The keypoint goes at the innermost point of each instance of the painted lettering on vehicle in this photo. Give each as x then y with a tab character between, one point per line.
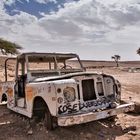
75	107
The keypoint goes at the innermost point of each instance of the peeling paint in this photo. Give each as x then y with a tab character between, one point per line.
10	92
29	93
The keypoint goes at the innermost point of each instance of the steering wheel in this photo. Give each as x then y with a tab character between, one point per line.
66	67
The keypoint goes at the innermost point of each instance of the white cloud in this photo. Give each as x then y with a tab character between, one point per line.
91	18
10	2
46	1
27	1
94	29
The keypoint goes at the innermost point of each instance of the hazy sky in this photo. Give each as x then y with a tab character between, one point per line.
94	29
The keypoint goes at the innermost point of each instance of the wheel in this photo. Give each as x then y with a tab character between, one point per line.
41	112
48	120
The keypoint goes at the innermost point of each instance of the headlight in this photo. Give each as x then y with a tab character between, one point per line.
69	94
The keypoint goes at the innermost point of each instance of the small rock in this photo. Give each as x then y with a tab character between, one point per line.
24	119
129	128
118	123
101	135
132	133
98	110
125	130
126	125
124	115
111	125
133	128
30	132
41	128
104	132
88	135
28	126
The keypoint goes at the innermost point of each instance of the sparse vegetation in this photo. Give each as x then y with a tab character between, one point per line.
7	47
138	51
116	59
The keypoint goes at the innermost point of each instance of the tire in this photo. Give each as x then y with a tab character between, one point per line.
48	120
41	112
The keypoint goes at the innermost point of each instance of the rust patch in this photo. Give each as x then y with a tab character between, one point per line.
10	92
29	93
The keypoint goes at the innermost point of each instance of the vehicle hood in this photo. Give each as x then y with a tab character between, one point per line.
66	76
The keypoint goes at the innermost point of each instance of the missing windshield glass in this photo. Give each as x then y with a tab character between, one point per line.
100	89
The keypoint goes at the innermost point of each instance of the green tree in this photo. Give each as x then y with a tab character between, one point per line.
116	59
7	47
138	51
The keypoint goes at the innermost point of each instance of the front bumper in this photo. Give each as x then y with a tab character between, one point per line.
92	116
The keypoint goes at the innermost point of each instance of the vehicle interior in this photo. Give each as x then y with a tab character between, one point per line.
53	65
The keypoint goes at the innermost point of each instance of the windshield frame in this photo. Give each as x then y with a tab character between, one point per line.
57	57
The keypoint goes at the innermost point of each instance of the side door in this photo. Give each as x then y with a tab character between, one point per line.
21	78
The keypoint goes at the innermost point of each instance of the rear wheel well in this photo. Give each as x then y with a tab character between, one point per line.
4	98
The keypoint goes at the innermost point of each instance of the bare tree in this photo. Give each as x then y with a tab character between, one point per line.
7	47
116	59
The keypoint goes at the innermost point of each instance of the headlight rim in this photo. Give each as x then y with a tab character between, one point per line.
68	93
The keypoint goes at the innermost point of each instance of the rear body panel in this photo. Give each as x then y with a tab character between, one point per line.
7	89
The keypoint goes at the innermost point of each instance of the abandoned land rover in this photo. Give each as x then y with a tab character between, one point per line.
57	88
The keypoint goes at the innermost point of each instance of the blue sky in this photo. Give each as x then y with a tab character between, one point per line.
94	29
35	8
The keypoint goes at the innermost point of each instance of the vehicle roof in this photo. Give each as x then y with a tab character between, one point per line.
29	53
59	55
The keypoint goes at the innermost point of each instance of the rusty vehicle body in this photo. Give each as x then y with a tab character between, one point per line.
57	87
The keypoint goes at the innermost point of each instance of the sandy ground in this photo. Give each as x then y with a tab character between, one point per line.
126	126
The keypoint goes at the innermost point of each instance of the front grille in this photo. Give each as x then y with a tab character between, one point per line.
88	89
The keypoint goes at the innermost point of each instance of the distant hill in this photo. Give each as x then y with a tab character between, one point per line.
93	63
